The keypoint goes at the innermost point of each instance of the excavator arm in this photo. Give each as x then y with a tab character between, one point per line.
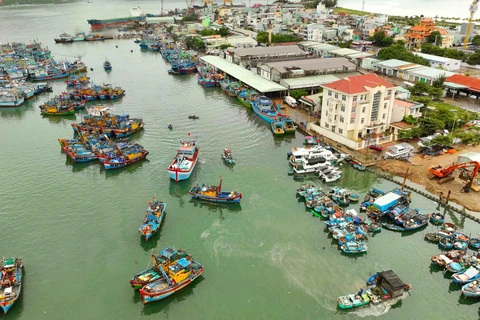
444	172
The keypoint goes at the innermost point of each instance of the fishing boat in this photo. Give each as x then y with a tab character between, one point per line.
246	96
471	290
11	277
264	108
64	38
124	158
474	243
353	198
206	80
417	222
392	226
460	245
289	126
215	194
450	227
311	141
437	218
353	247
94	37
163	260
11	98
277	126
331	177
470	275
62	110
176	277
381	287
230	87
80	36
170	126
79	154
193	116
153	219
187	156
227	156
446	258
445	243
433	237
107	65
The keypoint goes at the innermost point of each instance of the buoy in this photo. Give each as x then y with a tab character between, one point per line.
91	69
116	46
131	51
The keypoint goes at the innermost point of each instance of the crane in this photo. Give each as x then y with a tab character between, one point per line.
473	9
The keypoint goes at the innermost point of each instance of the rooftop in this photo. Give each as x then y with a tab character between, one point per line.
259	51
402	125
311	64
431	57
246	76
470	82
392	63
314	81
392	279
429	72
405	104
358	84
343	51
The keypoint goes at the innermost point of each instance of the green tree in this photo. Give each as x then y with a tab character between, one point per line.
399	52
387	41
190	17
378	36
330	3
169	29
468	137
476	40
435	37
438	82
410	119
444	141
419	88
262	37
401	43
455	54
430	125
297	94
474	59
347	44
223	32
208	32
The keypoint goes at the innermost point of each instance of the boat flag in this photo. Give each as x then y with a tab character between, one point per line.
189	134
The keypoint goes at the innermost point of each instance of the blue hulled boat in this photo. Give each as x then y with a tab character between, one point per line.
264	108
11	277
107	65
467	276
471	289
215	194
153	218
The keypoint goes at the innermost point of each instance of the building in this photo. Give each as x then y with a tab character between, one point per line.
468	157
216	41
404	108
279	70
458	84
394	67
248	56
419	34
447	39
425	74
441	62
356	110
313	32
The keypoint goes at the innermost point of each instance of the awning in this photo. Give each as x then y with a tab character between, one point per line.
454	85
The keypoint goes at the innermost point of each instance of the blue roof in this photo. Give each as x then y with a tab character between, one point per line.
183	262
168	252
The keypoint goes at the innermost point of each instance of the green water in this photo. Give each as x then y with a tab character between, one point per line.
75	226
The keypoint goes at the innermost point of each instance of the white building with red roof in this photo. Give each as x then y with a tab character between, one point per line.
357	108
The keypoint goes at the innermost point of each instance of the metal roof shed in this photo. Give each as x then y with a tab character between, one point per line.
246	76
343	52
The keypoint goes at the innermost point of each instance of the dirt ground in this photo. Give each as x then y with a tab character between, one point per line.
418	173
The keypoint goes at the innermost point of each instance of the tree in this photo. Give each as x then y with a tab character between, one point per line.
410	119
474	59
297	94
476	40
443	140
330	3
401	43
387	41
399	52
430	125
435	37
208	32
378	36
169	29
419	88
223	32
438	82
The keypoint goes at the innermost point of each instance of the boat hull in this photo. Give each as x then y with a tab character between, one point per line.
117	165
12	104
236	199
262	115
178	175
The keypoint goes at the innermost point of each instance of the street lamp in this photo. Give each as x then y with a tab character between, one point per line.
453	127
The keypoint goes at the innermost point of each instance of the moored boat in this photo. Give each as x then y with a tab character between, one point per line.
437	218
215	194
125	157
470	275
227	156
11	98
182	166
178	276
153	219
11	277
107	65
471	289
277	126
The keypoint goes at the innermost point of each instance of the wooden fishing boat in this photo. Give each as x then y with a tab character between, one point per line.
124	160
434	237
445	244
227	156
153	219
446	258
449	227
245	96
460	245
277	127
289	126
353	198
416	222
178	276
474	243
467	276
79	154
353	247
57	111
11	277
161	261
215	194
437	218
393	227
472	289
107	65
311	141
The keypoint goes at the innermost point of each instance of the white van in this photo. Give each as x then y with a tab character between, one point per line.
291	101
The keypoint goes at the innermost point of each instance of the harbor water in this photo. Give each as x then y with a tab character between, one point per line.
75	225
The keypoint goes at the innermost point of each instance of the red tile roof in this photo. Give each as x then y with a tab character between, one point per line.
470	82
358	84
403	103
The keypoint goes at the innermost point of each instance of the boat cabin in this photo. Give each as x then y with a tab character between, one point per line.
179	271
391	283
401	150
387	201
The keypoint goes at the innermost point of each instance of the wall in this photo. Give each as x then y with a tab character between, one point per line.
329	134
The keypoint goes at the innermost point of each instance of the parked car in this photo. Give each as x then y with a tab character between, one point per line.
291	101
376	147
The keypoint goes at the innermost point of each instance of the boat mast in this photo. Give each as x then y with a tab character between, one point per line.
219	189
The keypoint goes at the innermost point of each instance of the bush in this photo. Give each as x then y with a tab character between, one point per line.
410	119
468	137
262	37
444	141
297	94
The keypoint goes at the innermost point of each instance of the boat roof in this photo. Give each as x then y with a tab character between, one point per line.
394	281
168	252
183	262
471	272
386	199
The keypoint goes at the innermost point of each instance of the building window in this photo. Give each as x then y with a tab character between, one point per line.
354	109
344	97
336	95
375	106
362	121
326	114
352	121
384	116
342	119
354	98
389	93
364	109
340	131
385	105
326	125
342	108
329	93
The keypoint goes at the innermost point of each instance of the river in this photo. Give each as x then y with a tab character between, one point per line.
75	226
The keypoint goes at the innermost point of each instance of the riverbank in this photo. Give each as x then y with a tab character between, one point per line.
419	174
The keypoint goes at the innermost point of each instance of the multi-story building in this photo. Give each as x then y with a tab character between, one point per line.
418	35
356	108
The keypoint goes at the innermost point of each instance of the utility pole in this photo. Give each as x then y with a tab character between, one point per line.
161	9
363	5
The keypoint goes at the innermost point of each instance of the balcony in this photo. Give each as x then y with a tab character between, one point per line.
374	125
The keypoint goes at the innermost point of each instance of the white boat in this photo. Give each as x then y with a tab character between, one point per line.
401	150
334	176
323	172
316	152
11	98
310	165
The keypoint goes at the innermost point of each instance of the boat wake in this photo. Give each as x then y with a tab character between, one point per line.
378	310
